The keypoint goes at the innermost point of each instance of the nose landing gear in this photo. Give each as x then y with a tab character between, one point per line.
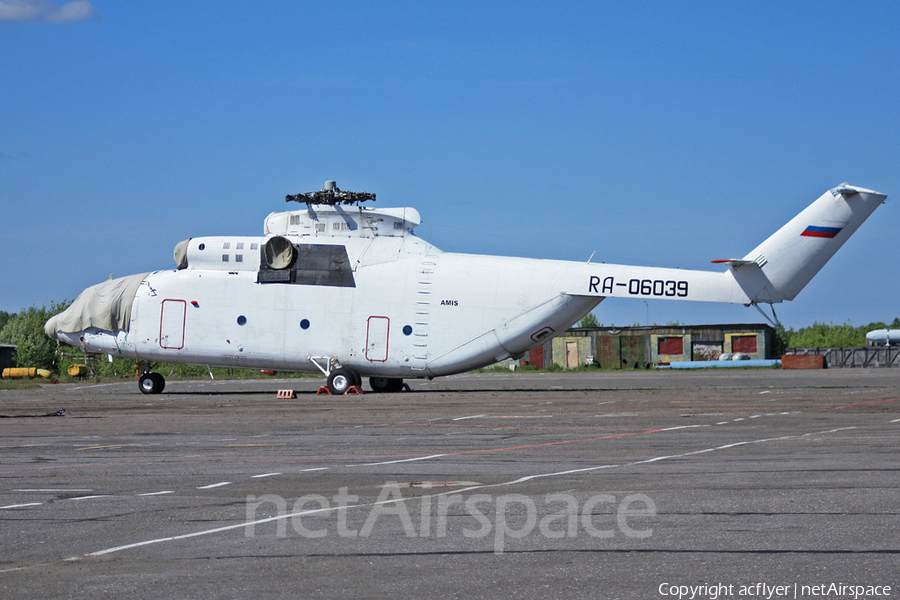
341	380
151	383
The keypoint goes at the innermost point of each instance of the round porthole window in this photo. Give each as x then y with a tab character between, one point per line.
407	330
242	320
304	324
202	246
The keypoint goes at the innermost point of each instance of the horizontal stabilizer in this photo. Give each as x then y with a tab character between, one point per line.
733	262
845	189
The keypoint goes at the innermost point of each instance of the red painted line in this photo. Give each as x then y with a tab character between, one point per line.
606	437
872	402
472	425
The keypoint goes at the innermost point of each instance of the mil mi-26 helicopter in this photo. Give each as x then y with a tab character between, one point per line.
351	291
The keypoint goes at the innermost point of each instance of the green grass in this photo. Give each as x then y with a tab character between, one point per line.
22	384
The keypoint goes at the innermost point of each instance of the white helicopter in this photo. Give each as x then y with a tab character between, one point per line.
351	291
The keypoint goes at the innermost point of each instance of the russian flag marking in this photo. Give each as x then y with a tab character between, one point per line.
822	232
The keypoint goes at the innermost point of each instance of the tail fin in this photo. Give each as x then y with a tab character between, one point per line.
782	265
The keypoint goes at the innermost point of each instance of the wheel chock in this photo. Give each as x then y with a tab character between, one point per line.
323	391
288	394
353	390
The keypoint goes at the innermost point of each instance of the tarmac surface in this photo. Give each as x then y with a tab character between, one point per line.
643	484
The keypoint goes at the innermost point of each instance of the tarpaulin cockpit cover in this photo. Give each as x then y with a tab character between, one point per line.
106	306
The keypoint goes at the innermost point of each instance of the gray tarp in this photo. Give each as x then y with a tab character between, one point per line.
106	306
181	261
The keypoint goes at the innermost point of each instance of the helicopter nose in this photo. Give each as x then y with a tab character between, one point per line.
50	327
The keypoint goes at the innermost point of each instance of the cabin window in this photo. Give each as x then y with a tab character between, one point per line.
226	245
242	320
304	324
238	258
320	227
398	225
202	246
295	219
254	246
407	330
224	258
239	246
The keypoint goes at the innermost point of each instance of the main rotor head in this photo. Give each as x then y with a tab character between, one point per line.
331	195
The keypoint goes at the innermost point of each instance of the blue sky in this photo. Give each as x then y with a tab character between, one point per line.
657	133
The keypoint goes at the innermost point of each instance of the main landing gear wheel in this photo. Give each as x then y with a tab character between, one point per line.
151	383
386	385
340	380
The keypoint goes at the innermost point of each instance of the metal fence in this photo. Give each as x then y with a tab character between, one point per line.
884	356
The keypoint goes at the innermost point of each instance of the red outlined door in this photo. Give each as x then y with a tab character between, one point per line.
171	324
377	339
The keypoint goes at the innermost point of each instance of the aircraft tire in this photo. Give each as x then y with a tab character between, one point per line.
151	383
340	380
386	385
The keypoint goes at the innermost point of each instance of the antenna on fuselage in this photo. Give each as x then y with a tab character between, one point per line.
331	195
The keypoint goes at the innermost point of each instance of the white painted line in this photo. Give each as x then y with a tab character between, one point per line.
766	392
682	427
736	420
13	569
156	493
755	416
722	423
90	387
894	421
830	431
253	523
214	485
699	452
518	416
21	505
471	417
393	462
656	459
54	490
557	474
315	469
734	445
90	497
264	475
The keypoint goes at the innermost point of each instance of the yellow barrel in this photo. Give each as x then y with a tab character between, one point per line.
78	370
30	372
19	372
